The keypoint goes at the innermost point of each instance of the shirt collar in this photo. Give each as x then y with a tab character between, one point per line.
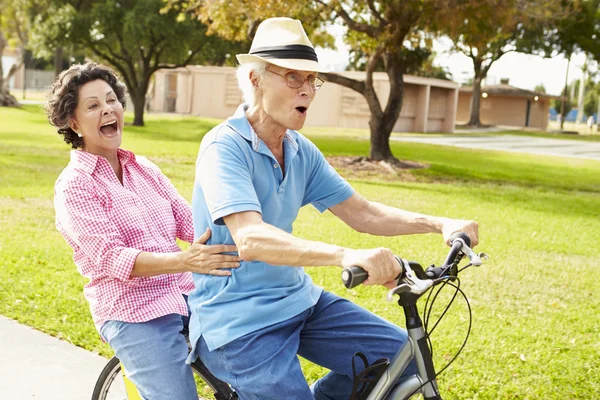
239	122
88	161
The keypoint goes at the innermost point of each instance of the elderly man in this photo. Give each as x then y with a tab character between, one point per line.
254	172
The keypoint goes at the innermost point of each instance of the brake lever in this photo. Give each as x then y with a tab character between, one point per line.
474	258
411	283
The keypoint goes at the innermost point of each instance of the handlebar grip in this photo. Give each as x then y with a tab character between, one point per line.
451	258
460	235
353	276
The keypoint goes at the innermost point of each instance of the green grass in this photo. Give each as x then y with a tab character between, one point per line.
535	304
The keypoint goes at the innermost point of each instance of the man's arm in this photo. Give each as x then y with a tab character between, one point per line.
258	241
378	219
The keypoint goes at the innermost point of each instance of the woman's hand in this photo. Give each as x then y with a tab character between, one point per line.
207	259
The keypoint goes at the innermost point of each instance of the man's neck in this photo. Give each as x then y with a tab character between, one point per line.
267	129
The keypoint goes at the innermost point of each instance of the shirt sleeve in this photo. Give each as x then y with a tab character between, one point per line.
182	212
225	177
82	219
325	187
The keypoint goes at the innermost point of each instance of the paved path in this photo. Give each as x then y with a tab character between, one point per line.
513	143
34	365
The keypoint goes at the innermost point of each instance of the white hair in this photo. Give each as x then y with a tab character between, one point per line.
244	82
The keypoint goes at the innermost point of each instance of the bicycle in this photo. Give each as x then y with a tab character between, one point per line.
113	384
378	381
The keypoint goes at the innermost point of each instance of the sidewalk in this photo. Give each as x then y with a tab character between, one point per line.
514	143
34	365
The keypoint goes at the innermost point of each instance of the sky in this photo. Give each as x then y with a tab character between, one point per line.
523	70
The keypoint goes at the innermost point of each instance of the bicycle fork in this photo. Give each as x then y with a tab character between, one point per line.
415	347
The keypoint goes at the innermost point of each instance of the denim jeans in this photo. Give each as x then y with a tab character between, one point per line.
153	354
264	364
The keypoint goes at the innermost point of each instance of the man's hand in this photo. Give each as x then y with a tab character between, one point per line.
380	264
471	228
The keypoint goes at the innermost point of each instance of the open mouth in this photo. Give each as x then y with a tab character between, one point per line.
109	128
302	110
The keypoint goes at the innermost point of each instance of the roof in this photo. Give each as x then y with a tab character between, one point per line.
508	90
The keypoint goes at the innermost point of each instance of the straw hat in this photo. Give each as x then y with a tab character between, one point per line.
282	42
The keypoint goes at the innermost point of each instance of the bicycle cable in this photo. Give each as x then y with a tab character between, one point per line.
426	314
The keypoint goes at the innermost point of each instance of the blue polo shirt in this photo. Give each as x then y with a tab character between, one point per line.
237	172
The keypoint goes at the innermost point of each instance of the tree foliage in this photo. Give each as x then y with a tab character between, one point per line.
539	88
136	37
385	34
578	31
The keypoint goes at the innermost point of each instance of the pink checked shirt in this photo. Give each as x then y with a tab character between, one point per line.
108	224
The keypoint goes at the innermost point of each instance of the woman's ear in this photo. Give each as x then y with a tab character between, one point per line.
73	125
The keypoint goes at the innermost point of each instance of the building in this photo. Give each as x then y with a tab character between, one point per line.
507	105
429	104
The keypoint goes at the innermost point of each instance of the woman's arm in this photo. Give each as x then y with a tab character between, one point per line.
82	219
198	258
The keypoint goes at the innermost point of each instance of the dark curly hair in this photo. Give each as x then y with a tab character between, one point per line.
64	94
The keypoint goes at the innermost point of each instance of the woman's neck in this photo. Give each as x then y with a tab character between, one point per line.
113	159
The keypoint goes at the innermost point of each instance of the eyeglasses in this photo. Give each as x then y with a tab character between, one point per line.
295	81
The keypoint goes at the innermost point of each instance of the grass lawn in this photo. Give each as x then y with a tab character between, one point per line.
535	304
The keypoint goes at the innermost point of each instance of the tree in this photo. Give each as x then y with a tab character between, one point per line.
15	18
6	99
539	88
388	33
591	100
487	29
577	31
423	65
136	37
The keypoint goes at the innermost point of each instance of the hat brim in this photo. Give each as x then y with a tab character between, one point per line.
289	63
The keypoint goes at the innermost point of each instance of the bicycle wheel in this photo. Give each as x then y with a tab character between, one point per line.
111	386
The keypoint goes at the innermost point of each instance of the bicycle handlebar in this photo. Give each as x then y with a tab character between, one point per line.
354	276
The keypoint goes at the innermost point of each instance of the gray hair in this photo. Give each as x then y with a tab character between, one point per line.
244	82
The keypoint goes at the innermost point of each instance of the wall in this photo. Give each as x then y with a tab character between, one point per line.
505	110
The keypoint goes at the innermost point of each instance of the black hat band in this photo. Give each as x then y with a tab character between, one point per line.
292	51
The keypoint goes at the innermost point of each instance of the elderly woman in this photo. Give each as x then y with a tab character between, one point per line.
249	327
122	217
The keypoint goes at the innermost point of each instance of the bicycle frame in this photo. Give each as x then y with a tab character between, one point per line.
131	390
415	348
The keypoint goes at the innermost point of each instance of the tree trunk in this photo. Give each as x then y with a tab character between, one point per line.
474	119
139	103
58	60
381	123
380	141
6	99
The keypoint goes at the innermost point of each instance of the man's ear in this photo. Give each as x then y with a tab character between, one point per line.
255	79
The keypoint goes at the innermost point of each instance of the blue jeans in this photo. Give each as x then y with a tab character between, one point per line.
153	354
264	364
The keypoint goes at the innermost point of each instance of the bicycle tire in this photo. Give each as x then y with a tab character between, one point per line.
220	390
